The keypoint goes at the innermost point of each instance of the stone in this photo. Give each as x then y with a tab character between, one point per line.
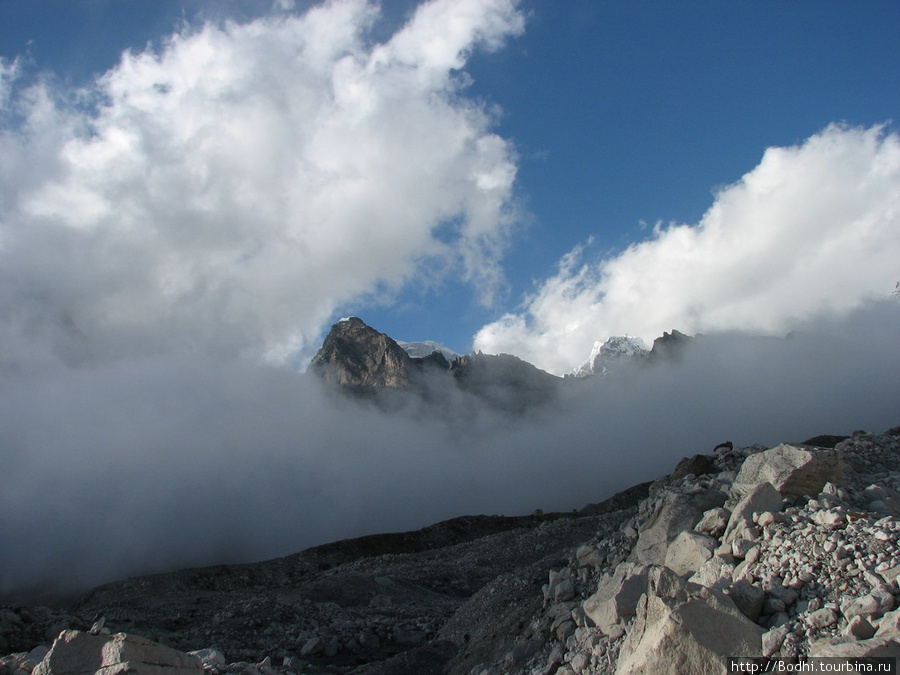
675	513
560	587
889	624
580	662
616	598
210	657
792	470
759	497
748	598
412	637
821	618
740	547
773	639
589	556
765	519
859	628
715	573
714	521
698	465
688	551
685	628
872	605
851	648
524	650
76	652
829	518
312	646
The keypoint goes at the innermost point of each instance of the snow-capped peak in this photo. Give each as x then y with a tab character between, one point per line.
426	348
614	350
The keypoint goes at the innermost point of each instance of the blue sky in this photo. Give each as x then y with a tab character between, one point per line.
616	117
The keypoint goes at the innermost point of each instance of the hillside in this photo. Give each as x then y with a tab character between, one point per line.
789	551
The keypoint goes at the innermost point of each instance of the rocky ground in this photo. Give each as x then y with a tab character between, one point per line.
789	551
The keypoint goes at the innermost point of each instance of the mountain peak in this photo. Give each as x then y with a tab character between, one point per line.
356	355
616	350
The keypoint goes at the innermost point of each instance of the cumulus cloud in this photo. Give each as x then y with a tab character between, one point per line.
228	190
813	230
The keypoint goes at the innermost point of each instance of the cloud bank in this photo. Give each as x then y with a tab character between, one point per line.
229	190
813	230
162	463
218	197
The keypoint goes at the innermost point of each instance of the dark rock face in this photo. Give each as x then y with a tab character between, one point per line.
698	465
505	381
358	356
670	345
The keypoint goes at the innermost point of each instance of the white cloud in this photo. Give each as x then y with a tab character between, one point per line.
813	230
227	192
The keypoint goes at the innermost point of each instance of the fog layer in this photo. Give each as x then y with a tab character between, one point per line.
153	464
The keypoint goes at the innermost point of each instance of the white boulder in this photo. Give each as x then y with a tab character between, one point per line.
687	629
794	471
78	653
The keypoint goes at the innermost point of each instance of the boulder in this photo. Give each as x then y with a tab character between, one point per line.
75	653
773	639
890	624
748	598
849	648
874	604
860	628
676	512
714	521
759	498
698	465
792	470
717	572
688	551
687	629
616	599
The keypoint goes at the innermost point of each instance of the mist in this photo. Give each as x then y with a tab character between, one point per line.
152	464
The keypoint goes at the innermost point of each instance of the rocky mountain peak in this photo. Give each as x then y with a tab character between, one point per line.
356	355
670	345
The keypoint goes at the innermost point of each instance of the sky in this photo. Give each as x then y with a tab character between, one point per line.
191	193
524	183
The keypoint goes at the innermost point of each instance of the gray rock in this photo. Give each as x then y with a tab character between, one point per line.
616	599
851	648
688	627
714	521
75	652
874	605
748	598
676	512
312	646
859	628
821	618
524	650
792	470
889	624
688	551
773	639
210	657
759	497
715	573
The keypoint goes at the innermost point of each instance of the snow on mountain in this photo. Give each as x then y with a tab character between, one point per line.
426	348
605	354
